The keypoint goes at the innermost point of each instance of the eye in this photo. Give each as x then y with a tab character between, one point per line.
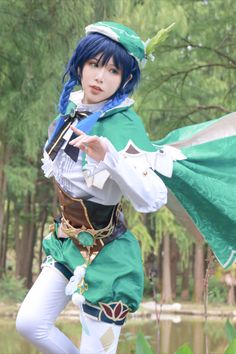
93	63
114	71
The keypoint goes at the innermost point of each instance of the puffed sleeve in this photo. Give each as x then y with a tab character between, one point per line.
135	178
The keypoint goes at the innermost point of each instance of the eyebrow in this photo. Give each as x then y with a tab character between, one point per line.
100	59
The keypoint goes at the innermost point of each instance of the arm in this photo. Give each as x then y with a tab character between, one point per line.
138	182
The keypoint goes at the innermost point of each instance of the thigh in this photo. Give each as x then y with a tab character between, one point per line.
46	299
102	337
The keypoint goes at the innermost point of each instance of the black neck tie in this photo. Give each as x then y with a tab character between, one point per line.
58	140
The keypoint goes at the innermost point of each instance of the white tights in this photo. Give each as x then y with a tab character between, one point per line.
39	311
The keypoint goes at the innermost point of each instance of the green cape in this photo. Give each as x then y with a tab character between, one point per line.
203	187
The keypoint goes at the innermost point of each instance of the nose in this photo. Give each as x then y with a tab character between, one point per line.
100	75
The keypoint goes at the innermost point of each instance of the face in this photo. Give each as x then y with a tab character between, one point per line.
99	82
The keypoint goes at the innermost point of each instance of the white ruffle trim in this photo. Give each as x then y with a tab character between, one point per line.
47	165
95	173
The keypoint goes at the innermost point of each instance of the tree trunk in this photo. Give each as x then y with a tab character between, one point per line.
230	282
159	269
166	275
25	244
4	157
198	273
185	285
174	264
4	240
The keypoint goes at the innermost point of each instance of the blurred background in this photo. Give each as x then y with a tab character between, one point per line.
193	79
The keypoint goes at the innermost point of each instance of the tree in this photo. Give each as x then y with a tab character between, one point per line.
37	38
198	273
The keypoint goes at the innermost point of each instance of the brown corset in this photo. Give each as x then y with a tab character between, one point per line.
103	221
80	212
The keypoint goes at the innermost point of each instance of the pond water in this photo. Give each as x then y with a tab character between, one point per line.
174	331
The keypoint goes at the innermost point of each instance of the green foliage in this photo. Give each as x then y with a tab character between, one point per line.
142	345
230	331
36	42
148	287
231	348
137	225
12	289
184	349
141	233
191	80
217	291
193	76
166	224
21	179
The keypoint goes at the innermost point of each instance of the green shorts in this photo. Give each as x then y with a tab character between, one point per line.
116	273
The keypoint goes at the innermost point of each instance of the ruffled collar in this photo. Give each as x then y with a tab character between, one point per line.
77	97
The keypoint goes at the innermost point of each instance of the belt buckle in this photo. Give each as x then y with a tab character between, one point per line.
86	237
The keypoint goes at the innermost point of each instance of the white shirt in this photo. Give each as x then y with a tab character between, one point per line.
105	182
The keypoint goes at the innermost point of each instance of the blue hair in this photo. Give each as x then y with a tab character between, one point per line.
90	46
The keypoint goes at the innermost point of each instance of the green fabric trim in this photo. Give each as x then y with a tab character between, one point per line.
115	110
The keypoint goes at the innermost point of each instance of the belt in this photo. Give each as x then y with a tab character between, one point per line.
118	230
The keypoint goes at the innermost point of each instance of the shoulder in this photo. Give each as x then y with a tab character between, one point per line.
122	117
124	126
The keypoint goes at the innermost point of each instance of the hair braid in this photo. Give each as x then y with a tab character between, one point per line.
64	98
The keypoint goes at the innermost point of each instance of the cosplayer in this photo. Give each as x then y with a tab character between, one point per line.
98	151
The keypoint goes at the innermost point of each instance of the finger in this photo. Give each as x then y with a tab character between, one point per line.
78	139
77	131
82	147
93	140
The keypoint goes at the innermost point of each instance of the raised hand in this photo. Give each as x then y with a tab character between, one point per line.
93	146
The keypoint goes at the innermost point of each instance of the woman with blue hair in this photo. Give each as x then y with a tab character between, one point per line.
95	153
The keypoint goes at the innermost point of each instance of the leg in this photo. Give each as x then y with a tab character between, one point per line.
42	305
103	338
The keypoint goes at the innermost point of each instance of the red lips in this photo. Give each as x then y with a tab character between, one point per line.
96	88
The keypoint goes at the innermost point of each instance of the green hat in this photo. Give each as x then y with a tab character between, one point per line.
129	39
121	34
